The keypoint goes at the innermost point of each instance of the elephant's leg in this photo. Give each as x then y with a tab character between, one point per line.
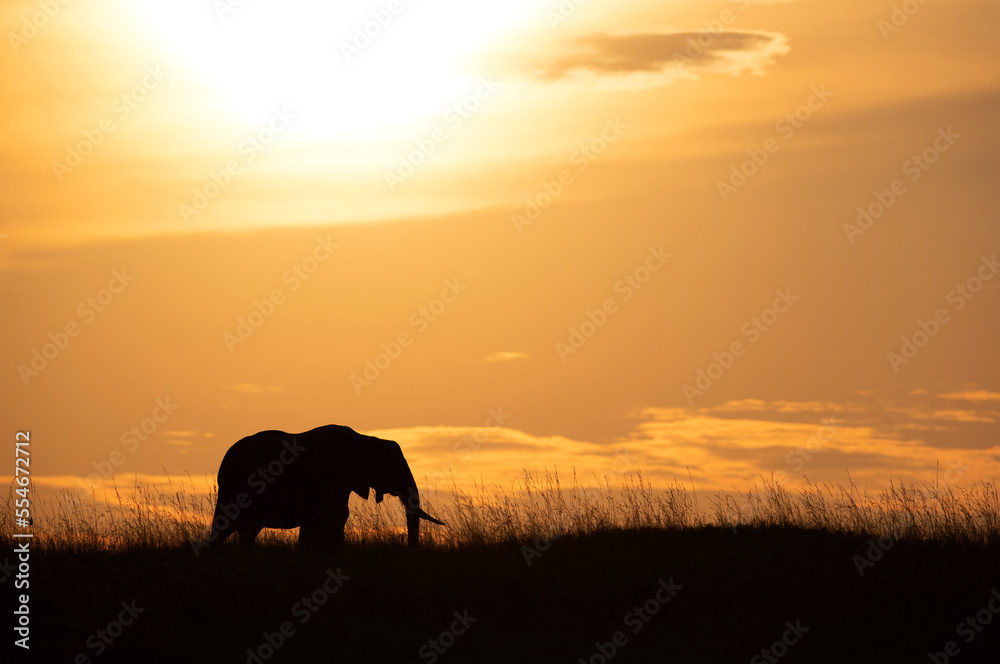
222	527
324	529
248	533
313	534
307	535
338	524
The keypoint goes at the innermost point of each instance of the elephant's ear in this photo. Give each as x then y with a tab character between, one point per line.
363	492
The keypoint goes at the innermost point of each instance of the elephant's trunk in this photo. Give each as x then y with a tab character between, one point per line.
411	503
410	498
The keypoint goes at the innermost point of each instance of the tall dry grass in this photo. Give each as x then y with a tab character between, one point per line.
538	505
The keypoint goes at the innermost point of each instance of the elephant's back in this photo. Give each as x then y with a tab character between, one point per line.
296	453
253	448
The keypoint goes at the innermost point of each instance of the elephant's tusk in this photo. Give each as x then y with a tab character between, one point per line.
424	515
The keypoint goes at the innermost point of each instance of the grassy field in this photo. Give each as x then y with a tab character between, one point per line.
542	573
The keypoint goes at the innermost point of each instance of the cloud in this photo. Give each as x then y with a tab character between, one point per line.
650	59
185	434
972	395
785	406
720	448
959	416
505	356
726	452
104	488
727	446
441	455
251	388
741	405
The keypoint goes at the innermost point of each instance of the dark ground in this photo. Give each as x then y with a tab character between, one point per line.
737	592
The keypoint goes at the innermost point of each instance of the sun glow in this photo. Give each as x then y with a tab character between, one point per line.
342	67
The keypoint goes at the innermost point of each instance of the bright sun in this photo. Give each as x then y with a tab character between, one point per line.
343	67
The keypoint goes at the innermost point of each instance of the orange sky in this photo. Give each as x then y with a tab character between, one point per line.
215	221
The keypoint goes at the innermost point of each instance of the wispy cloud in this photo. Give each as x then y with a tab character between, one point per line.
505	356
972	395
650	59
252	388
953	415
728	452
723	447
727	446
786	406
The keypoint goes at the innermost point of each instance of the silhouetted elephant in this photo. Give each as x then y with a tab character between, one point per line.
274	479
